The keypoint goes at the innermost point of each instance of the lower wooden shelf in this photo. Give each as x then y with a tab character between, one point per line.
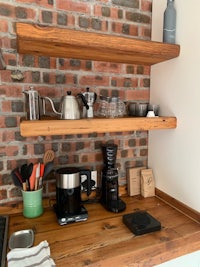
95	125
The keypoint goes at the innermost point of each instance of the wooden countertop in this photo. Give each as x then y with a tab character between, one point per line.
103	240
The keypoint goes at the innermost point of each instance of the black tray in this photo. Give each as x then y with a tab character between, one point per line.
141	222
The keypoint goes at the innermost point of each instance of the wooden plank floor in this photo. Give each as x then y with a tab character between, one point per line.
103	240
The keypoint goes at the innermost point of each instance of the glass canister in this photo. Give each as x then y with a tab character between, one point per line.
102	106
32	104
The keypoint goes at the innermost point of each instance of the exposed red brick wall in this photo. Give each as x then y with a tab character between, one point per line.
54	76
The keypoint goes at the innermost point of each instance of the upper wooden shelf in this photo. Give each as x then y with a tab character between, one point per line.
60	42
97	125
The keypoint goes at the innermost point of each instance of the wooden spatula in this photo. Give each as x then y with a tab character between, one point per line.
48	156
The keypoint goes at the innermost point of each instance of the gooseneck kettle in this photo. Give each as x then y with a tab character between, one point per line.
69	107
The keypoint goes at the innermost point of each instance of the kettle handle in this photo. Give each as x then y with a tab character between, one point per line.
52	105
88	174
84	100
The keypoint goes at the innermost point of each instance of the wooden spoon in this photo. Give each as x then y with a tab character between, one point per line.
48	156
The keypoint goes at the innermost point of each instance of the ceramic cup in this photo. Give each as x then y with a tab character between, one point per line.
32	203
150	113
154	108
141	109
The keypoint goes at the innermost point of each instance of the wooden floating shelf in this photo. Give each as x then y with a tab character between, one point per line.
61	42
95	125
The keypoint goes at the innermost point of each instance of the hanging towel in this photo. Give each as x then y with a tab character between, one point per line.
31	257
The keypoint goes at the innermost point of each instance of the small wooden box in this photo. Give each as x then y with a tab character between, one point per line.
134	181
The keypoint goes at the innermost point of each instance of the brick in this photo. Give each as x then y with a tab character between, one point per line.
96	24
70	5
90	80
138	17
125	82
10	122
105	11
47	16
44	62
127	3
3	26
28	61
146	5
61	19
107	67
3	194
35	77
39	149
84	22
42	3
6	10
137	95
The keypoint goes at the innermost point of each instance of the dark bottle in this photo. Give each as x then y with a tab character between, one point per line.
169	23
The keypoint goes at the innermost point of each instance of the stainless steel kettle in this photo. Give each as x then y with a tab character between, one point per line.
69	106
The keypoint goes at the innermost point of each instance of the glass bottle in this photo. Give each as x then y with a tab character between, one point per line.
169	23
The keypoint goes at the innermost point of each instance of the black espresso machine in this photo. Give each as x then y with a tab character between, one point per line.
68	206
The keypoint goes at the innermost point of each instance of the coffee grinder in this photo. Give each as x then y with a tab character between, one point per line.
110	193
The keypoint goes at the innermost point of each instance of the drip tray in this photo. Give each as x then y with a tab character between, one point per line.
141	222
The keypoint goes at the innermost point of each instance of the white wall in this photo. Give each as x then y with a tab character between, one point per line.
174	154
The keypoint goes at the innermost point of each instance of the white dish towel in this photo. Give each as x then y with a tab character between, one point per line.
31	257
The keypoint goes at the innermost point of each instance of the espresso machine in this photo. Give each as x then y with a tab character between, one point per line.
110	192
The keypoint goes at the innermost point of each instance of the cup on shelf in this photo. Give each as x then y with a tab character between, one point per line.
154	108
137	109
150	113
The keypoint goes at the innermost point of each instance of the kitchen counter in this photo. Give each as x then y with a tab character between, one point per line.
103	240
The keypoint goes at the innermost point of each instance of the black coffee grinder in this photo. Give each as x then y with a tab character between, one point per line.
110	193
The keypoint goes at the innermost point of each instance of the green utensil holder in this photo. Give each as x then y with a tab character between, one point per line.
32	203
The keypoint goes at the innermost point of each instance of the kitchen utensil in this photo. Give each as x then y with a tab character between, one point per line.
32	104
41	174
69	106
48	156
47	169
24	174
17	182
21	239
32	178
37	176
29	172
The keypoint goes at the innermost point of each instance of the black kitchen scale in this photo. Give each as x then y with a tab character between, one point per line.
68	218
141	222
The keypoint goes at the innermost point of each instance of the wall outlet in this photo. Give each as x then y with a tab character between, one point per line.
93	178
